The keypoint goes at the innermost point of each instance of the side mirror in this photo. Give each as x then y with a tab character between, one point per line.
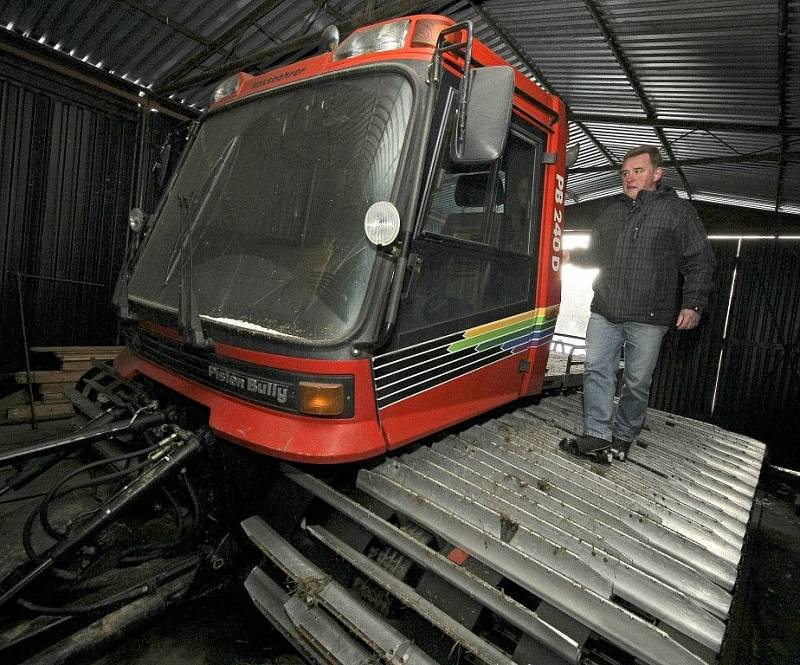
486	118
329	39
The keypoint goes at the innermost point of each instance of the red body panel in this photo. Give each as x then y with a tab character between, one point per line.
452	402
297	438
548	284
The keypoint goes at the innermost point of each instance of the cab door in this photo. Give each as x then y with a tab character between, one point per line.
466	314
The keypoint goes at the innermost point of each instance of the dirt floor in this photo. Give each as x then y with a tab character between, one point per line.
222	629
774	617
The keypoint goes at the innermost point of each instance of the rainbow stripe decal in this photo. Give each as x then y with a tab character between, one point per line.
515	334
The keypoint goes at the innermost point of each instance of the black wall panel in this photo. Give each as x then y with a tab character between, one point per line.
757	361
759	390
67	181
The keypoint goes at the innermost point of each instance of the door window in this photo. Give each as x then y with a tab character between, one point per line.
474	245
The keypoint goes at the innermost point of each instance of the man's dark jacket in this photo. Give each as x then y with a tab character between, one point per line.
641	247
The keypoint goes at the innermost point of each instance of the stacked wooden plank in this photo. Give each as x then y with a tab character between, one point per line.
49	386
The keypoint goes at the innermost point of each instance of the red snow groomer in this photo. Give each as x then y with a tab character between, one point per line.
371	247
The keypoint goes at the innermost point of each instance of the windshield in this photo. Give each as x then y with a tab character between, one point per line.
267	211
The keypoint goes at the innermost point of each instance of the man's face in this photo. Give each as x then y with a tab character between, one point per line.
638	173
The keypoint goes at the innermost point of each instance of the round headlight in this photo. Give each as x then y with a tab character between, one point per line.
136	220
382	223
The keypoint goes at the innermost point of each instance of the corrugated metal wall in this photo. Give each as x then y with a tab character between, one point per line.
759	390
67	177
759	374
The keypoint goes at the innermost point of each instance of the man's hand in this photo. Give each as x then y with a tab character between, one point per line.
688	319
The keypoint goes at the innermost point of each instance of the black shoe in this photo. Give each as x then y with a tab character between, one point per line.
599	455
591	444
620	448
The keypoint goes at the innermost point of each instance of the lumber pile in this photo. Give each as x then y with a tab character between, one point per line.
79	358
49	386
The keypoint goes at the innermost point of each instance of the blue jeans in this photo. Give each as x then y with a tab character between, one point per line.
604	341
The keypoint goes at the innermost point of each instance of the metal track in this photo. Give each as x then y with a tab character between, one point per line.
641	556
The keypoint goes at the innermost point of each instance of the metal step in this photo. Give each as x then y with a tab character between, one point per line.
641	556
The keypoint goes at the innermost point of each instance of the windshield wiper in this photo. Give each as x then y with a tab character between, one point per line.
188	316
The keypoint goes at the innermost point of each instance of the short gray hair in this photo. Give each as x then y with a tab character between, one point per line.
650	150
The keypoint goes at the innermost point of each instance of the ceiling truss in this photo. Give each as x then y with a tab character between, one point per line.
638	90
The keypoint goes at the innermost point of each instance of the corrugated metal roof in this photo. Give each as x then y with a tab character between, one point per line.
716	84
561	38
715	59
792	75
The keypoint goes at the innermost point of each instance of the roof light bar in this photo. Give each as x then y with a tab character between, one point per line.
383	37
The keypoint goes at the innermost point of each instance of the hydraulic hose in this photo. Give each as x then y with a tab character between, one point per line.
119	598
162	467
54	493
40	511
135	424
35	468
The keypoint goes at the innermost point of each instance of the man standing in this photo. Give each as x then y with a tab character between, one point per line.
642	242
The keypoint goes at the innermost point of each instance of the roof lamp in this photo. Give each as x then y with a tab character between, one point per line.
228	87
384	37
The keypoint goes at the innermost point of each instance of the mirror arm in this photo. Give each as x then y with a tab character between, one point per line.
465	87
414	268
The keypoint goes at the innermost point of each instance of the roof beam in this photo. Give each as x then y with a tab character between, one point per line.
324	5
168	21
515	48
705	161
638	90
783	38
87	75
702	125
213	47
518	51
387	11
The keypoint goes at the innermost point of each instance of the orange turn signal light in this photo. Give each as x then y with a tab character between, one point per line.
426	32
321	399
